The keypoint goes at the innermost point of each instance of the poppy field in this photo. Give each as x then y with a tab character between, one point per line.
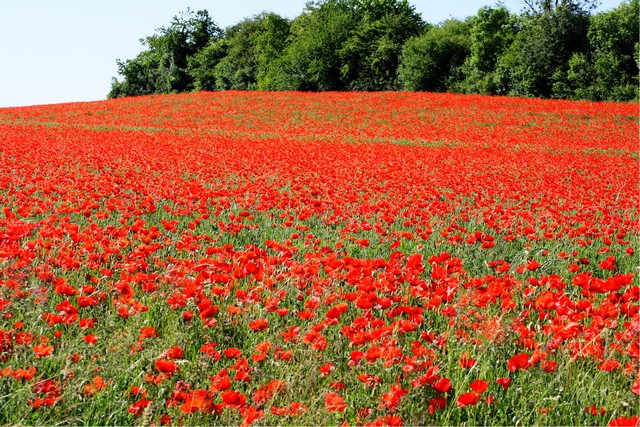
238	258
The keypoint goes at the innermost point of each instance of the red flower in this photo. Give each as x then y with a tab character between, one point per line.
259	325
337	310
609	365
137	408
233	398
467	363
326	369
532	265
594	411
437	403
43	350
519	361
468	399
42	401
504	382
148	332
90	339
549	365
174	353
624	421
479	386
166	366
333	402
197	400
442	385
232	353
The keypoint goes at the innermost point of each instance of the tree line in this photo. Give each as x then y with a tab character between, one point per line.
551	49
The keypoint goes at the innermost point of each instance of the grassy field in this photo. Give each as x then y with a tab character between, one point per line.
319	259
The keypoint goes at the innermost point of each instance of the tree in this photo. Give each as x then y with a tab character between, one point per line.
162	68
492	32
610	70
552	7
346	45
242	61
370	56
311	61
553	48
433	61
551	32
202	66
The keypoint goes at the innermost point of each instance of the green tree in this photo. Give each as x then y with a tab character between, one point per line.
371	55
492	33
433	61
610	70
162	67
311	60
551	32
202	66
346	45
250	47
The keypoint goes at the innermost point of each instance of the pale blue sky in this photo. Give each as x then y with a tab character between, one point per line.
66	50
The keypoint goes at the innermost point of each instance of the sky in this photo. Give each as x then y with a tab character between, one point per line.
66	50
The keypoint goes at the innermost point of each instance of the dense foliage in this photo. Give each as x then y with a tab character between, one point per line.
551	49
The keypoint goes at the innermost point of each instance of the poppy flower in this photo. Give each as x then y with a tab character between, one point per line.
333	402
593	410
519	361
467	363
43	350
468	399
549	365
148	332
138	407
258	325
174	352
90	339
232	353
624	421
165	366
233	398
609	365
437	403
326	369
504	382
443	385
197	400
479	386
335	311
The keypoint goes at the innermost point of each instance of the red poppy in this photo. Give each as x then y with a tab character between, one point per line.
259	325
232	353
633	421
197	400
443	385
233	398
479	386
437	403
333	402
504	382
468	399
594	410
90	339
519	361
467	363
166	366
549	365
609	365
43	350
138	407
326	369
